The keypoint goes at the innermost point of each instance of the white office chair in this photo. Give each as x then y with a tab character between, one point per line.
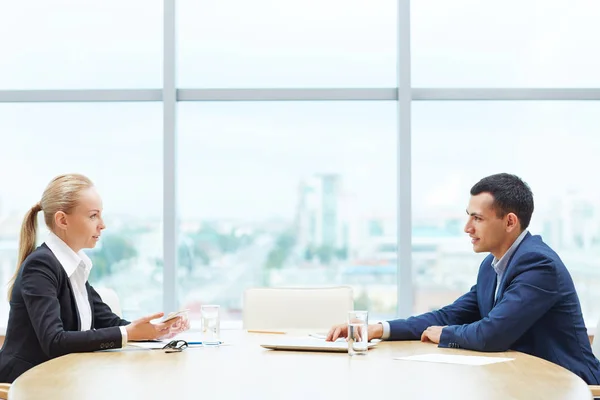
110	297
296	308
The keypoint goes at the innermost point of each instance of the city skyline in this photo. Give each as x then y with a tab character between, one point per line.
575	213
443	261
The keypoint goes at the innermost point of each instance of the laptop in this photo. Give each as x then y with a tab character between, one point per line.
310	344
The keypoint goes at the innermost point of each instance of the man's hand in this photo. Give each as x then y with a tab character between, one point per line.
143	329
432	334
341	330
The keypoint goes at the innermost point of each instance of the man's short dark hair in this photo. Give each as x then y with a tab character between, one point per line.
511	195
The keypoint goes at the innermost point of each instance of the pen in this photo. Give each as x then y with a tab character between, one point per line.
199	343
262	331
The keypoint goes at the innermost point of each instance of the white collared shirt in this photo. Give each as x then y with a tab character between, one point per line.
501	264
78	267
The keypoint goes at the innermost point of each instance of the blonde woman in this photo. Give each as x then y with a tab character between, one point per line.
53	309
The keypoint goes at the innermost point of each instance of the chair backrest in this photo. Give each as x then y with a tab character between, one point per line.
296	308
4	388
111	299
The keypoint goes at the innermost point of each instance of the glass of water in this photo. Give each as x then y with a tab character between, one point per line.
211	325
358	333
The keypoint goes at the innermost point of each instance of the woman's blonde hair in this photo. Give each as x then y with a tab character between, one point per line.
61	194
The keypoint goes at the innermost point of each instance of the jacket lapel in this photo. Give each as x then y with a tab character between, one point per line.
489	289
91	301
74	309
73	302
507	271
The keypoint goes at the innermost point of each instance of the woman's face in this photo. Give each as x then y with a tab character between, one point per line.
83	226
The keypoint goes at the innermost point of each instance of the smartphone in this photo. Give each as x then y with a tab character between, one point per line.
173	315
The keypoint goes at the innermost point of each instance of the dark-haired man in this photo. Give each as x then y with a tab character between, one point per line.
524	298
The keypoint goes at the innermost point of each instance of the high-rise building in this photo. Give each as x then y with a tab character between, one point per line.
320	219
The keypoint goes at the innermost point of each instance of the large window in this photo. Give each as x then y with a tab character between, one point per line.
287	194
553	146
119	147
313	182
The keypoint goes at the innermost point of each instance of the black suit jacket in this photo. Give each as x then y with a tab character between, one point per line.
44	322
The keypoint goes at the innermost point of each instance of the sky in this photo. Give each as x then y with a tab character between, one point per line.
299	43
245	160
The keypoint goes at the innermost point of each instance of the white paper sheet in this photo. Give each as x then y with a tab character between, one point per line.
161	344
455	359
148	345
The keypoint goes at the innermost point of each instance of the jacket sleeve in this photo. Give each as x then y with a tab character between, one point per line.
39	288
527	298
463	311
103	315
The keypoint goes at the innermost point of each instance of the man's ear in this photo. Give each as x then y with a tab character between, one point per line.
60	220
512	222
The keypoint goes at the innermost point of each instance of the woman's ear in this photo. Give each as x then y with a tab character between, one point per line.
60	220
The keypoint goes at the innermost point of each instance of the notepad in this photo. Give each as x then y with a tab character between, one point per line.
455	359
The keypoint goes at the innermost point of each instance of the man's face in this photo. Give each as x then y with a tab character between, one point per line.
487	231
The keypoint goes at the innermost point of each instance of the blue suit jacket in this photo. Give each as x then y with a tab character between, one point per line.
535	311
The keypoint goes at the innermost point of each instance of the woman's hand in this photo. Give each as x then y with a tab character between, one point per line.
182	325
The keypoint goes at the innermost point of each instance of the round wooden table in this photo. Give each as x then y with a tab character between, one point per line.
244	370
